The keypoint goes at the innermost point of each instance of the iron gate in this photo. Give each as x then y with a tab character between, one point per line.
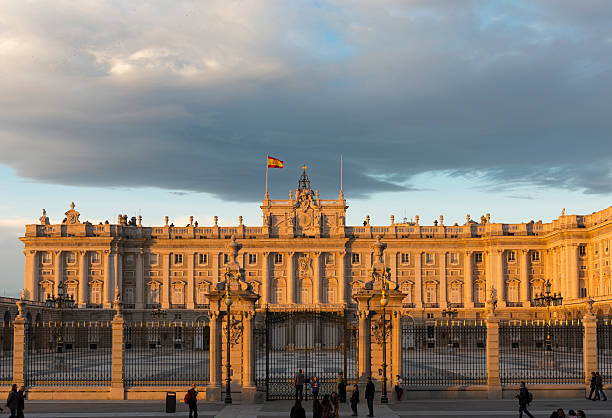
322	344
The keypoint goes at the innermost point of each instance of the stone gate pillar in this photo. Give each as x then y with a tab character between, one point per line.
213	392
18	346
365	369
117	391
589	347
492	350
248	357
396	347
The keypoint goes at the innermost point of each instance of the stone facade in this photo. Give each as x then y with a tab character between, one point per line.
305	256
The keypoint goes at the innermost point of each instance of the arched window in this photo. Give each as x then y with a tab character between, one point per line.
278	290
305	292
331	286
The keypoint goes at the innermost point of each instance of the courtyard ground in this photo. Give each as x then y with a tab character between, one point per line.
423	408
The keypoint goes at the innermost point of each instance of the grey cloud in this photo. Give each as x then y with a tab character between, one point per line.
515	95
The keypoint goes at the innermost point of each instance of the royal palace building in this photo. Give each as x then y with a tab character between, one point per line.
304	256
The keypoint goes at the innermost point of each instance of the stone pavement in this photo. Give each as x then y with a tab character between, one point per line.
541	408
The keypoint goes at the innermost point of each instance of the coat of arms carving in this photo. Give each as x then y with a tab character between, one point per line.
305	266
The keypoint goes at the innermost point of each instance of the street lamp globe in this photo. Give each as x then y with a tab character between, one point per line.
384	301
548	286
228	301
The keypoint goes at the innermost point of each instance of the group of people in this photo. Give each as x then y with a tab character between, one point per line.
329	407
570	414
15	401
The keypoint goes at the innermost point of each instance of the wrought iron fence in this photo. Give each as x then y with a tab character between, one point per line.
6	354
322	344
541	352
166	353
69	354
604	349
444	354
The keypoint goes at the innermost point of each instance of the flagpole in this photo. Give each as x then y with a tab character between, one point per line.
267	177
341	188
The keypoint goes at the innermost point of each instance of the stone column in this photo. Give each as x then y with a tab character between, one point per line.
83	292
316	282
601	272
108	278
117	391
499	276
396	345
248	354
418	280
18	350
573	280
165	292
213	392
524	274
365	359
264	291
190	296
468	281
443	284
341	272
59	271
589	347
393	266
31	279
290	277
140	280
215	266
493	379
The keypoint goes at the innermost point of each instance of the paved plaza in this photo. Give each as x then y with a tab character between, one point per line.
273	409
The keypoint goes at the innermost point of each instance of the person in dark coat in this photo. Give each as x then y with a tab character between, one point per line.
524	399
317	409
599	388
341	388
355	399
298	382
298	410
193	402
21	395
593	386
12	402
369	395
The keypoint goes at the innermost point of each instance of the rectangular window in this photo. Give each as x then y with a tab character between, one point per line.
430	294
511	256
355	258
582	250
70	258
535	256
278	258
153	259
252	258
329	258
178	258
177	295
129	295
429	258
583	292
202	299
129	259
513	293
479	294
203	258
95	258
96	295
46	257
455	294
478	257
454	258
405	258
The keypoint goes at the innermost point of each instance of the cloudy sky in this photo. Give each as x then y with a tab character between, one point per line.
170	107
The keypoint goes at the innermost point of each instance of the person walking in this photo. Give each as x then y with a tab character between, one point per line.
314	386
192	401
341	388
524	399
369	395
21	395
593	386
298	410
298	382
12	402
355	399
599	388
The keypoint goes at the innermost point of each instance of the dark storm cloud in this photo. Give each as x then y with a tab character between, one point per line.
514	94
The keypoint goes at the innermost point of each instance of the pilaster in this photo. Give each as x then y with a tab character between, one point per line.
108	278
291	277
573	281
140	279
190	294
213	392
396	348
83	292
340	265
524	276
316	285
499	278
492	350
443	284
468	281
248	352
418	280
31	279
18	350
165	293
59	271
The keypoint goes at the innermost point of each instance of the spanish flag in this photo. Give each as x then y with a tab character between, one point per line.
274	162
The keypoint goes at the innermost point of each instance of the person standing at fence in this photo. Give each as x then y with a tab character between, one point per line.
599	388
298	382
314	386
398	387
369	395
192	401
21	395
355	399
12	402
524	399
341	388
593	386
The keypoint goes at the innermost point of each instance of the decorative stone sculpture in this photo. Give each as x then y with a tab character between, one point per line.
72	216
44	220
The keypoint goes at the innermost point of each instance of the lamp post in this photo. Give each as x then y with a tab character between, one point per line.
547	299
61	301
383	302
451	312
228	366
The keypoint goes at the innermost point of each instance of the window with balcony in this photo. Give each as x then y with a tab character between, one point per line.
582	250
513	293
430	294
535	256
96	295
178	295
129	259
70	258
511	256
454	258
429	258
329	258
46	257
153	259
95	258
